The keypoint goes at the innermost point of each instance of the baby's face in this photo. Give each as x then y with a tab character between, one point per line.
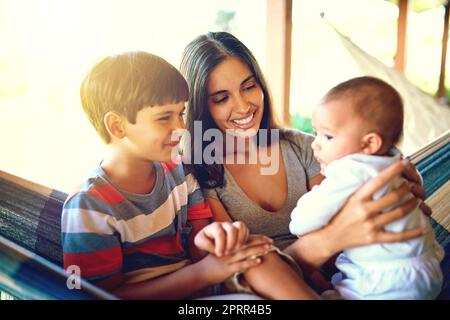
338	132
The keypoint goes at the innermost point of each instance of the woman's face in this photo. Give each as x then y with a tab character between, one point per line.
235	98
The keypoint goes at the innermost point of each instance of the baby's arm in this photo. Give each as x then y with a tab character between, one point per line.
316	208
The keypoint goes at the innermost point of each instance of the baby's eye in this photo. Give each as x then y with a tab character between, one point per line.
328	137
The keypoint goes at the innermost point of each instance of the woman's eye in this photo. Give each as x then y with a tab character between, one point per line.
250	87
164	118
221	100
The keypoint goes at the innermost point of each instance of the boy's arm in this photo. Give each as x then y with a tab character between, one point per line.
192	278
89	241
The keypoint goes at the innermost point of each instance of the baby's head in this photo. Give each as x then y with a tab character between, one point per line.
361	115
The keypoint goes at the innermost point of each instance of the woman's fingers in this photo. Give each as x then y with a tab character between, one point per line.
410	173
250	251
245	265
383	219
385	176
388	200
426	209
401	236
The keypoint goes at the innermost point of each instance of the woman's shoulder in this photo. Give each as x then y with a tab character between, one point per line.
296	136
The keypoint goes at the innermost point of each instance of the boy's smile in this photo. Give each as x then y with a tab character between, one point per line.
150	138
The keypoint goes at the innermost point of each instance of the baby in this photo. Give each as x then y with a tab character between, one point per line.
358	123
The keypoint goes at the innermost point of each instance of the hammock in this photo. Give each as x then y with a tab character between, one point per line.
30	230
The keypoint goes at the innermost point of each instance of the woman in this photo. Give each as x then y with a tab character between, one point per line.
228	92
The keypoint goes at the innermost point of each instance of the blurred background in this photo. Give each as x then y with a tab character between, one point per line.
303	46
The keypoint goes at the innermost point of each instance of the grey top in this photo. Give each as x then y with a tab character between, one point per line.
300	166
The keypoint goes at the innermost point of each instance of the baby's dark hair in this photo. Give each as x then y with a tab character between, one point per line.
376	102
128	82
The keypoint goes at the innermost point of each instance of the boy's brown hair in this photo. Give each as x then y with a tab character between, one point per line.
128	82
376	102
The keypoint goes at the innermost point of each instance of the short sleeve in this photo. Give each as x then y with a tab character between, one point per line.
210	193
197	207
88	239
302	147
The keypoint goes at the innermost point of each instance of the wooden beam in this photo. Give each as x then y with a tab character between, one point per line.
278	55
400	55
441	88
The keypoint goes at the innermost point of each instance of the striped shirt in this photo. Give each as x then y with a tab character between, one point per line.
106	230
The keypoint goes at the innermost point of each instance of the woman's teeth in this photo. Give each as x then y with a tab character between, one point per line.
244	121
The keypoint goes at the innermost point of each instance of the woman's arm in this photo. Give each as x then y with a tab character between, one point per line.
218	210
359	223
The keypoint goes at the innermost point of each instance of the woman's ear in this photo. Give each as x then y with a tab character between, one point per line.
114	124
372	143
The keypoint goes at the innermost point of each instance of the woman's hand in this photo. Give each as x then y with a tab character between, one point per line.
415	183
360	223
222	238
217	269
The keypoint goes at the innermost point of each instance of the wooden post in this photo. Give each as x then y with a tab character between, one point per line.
441	88
400	60
278	55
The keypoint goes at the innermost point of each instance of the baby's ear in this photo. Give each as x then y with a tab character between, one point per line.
372	143
114	124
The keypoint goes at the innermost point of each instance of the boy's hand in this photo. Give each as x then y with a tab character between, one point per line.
222	238
217	269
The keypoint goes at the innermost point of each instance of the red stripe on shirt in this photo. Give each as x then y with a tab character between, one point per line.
95	263
168	166
169	245
74	193
199	211
107	193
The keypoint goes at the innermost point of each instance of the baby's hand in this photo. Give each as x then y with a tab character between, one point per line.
222	238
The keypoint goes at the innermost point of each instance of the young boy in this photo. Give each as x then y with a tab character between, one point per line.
130	228
358	122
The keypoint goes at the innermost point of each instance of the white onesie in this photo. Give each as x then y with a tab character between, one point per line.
401	270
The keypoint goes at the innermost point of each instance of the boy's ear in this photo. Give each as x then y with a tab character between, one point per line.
372	143
114	124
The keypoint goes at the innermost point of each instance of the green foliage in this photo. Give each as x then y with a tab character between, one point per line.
302	123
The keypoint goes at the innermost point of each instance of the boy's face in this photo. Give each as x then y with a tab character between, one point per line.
339	132
150	138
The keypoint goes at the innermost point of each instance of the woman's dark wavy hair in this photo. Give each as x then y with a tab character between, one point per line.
200	58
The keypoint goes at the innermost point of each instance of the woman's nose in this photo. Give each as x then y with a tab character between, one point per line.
242	106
